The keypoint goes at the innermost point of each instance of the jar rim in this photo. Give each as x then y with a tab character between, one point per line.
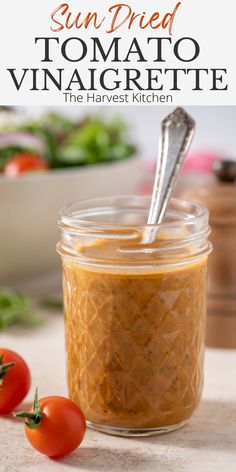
183	234
77	215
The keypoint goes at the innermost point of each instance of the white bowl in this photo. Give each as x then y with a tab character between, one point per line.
29	207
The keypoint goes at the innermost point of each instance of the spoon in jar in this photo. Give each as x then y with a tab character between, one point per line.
176	136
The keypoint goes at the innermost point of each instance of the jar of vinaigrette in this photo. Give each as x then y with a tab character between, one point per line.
135	309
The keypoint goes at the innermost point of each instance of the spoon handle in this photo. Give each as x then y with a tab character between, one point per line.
176	137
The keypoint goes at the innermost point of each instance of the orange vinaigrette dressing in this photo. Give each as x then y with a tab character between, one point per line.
134	337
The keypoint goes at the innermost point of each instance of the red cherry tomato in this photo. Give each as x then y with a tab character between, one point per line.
14	380
56	426
24	162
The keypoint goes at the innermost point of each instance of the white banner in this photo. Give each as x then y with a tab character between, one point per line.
95	52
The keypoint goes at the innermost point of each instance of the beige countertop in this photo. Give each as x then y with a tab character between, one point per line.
206	444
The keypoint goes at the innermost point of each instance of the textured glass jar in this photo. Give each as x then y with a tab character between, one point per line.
135	306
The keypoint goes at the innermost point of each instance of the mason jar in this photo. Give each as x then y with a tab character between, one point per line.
135	308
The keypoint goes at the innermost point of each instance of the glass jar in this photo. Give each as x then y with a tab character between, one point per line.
135	306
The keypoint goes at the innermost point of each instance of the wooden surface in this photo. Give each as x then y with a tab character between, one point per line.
206	444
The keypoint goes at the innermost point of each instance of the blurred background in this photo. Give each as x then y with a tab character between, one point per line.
215	125
52	156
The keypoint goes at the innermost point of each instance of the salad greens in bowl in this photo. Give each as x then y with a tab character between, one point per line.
46	163
54	141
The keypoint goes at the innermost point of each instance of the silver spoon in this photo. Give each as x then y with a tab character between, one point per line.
176	137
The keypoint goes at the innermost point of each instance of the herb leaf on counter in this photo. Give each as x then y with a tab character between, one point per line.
16	309
52	303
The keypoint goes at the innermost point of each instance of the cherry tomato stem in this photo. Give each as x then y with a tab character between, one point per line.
4	368
32	418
